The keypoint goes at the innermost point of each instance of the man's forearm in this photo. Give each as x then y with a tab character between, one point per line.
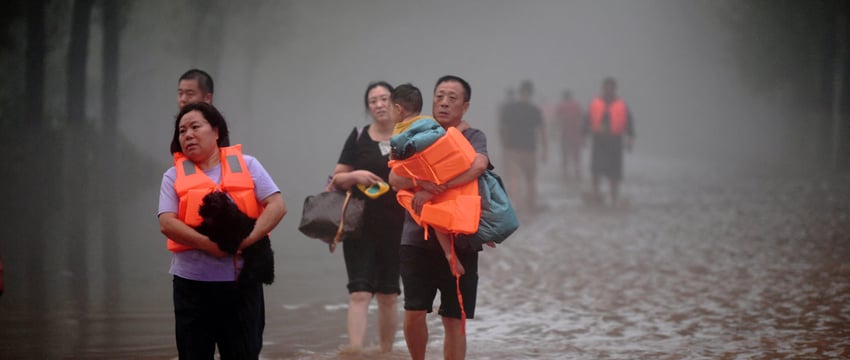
399	182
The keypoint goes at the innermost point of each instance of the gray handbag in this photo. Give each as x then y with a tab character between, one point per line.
332	217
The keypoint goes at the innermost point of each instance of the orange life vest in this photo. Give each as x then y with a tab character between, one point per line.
617	114
446	158
192	185
457	210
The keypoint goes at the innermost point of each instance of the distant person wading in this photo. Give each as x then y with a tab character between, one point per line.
611	126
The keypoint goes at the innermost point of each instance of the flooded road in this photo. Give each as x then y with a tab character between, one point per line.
699	265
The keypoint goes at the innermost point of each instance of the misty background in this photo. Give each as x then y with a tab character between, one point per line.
88	98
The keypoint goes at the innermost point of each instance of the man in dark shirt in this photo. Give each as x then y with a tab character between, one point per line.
424	267
520	125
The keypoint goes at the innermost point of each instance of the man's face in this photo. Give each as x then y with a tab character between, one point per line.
189	92
449	104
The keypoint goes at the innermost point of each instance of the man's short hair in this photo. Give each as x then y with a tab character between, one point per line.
467	91
408	96
205	81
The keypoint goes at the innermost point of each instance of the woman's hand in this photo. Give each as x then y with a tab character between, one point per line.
345	180
365	177
213	250
419	199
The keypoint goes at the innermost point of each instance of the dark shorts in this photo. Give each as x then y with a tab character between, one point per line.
423	272
523	159
606	158
372	262
228	314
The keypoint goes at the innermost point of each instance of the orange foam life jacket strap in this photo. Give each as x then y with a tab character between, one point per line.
457	287
191	185
617	114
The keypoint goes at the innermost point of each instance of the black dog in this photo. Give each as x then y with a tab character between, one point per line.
226	226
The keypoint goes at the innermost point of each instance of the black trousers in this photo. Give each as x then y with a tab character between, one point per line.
228	314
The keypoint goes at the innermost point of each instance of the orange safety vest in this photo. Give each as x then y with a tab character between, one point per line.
192	185
446	158
617	114
457	210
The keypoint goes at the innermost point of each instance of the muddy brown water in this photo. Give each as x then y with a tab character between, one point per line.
696	266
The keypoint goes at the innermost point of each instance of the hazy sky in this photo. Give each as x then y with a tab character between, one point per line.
290	76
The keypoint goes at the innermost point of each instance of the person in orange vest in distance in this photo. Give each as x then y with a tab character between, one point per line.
568	115
610	123
210	307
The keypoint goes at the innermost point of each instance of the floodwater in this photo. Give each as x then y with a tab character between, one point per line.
698	265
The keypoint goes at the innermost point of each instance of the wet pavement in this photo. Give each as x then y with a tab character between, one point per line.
700	264
697	266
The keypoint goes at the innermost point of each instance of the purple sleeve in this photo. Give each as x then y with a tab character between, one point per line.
168	201
264	186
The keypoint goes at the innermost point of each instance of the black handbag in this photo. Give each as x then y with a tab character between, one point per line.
332	217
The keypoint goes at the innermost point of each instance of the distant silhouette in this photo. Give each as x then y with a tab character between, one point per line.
611	125
521	126
568	117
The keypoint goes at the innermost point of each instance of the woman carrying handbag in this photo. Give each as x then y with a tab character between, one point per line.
371	259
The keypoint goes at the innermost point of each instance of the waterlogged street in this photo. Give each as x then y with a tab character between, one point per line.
698	266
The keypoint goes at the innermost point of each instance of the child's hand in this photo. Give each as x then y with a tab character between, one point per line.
419	199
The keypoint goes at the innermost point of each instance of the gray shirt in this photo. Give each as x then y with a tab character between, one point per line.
414	235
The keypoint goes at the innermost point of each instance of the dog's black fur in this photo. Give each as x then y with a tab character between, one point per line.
227	226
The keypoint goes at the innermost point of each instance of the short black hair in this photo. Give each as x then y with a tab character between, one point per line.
371	86
205	81
408	96
467	91
211	114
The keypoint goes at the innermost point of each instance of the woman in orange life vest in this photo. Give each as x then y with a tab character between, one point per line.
210	307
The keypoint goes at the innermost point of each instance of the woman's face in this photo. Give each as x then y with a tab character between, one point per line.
198	139
379	103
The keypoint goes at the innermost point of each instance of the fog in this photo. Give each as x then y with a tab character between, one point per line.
290	76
